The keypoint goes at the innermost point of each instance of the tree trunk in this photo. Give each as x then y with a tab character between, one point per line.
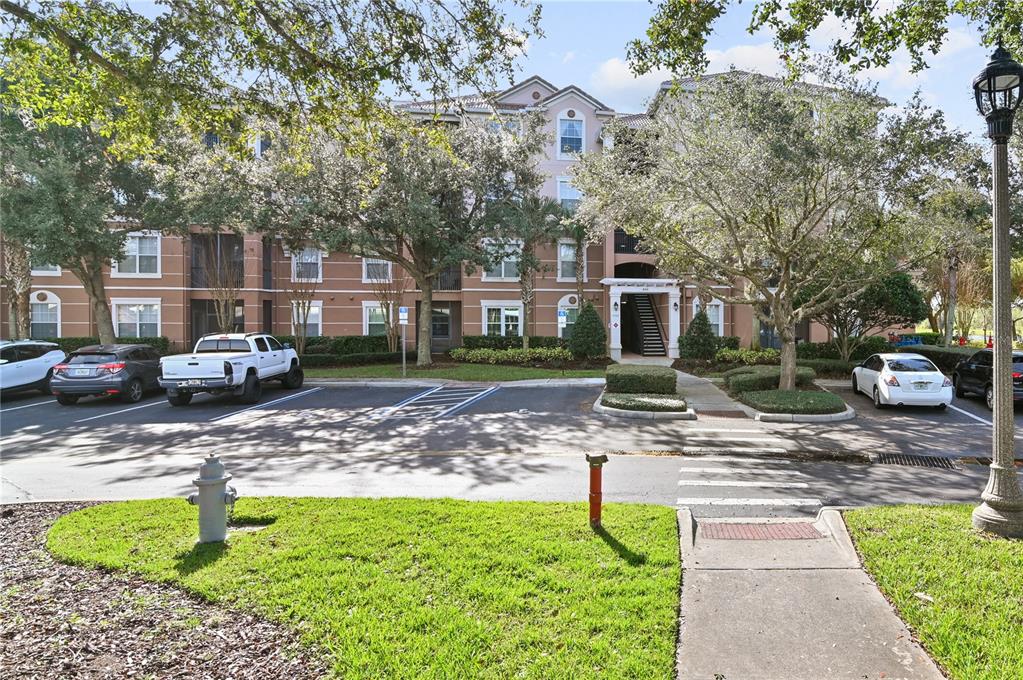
425	322
845	346
788	356
91	277
17	274
580	269
20	321
953	299
525	296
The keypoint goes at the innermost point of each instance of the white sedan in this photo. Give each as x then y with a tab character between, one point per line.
27	365
902	380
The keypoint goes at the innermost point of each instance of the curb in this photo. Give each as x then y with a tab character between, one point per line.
822	456
688	414
434	382
848	414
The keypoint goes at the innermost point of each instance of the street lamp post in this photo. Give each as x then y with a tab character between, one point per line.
997	90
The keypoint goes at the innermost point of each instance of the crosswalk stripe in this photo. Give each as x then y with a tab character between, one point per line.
751	450
749	501
740	471
751	459
730	482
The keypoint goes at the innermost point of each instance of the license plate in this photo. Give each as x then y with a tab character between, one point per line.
81	371
921	385
192	383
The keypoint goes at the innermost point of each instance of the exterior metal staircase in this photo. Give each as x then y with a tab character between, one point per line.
651	342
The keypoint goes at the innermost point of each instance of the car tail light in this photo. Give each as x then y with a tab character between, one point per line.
112	367
1016	376
228	368
947	383
892	380
60	368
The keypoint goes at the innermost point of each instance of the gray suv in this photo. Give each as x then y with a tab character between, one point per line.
124	371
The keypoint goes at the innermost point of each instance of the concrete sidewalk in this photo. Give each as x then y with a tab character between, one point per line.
786	600
703	395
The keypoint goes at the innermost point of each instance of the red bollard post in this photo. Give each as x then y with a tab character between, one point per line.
596	468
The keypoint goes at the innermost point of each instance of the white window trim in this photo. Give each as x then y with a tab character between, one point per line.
503	279
721	313
50	299
115	274
366	306
563	179
564	303
318	304
319	268
43	272
586	264
484	304
114	302
563	115
365	275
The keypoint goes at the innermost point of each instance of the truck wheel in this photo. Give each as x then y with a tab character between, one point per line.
294	378
67	399
253	390
179	399
133	391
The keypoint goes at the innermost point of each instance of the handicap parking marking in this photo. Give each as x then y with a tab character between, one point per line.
469	402
434	403
264	404
18	408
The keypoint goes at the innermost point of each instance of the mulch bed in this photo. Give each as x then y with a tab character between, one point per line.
58	620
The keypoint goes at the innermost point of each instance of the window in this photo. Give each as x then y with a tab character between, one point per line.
307	265
502	318
274	345
715	314
375	270
314	321
44	319
141	257
137	318
570	137
261	345
373	321
566	261
221	345
568	195
440	322
508	268
45	269
571	315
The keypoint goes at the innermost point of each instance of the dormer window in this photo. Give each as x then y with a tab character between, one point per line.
570	136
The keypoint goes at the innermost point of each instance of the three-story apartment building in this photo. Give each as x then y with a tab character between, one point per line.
162	286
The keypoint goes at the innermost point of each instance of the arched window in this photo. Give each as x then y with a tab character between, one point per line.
715	314
571	135
44	315
570	305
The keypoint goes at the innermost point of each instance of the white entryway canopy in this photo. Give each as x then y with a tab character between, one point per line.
619	287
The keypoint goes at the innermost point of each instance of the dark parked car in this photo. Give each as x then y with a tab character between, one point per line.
974	375
126	371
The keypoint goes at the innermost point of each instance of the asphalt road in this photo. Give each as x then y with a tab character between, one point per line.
424	442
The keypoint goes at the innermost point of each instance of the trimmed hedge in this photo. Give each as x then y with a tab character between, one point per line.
748	356
929	338
829	350
358	344
316	360
645	402
511	356
509	342
364	358
161	344
945	358
763	378
630	379
793	401
728	342
829	367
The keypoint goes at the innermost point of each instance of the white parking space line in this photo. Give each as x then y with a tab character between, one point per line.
434	403
728	482
748	501
741	471
977	418
18	408
265	404
114	413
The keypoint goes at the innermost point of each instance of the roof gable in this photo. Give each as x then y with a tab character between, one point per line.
518	87
577	91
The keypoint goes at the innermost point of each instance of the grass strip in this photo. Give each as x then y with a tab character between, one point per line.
960	591
408	588
793	401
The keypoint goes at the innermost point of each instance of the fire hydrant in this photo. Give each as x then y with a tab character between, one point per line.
213	497
596	469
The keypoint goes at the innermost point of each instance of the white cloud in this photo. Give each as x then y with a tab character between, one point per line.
616	85
569	56
760	58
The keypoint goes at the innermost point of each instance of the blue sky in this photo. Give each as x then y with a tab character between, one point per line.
585	45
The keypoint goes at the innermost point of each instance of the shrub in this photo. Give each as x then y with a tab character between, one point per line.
374	358
793	401
945	358
509	342
835	368
829	350
68	345
314	360
357	344
749	357
765	378
511	356
699	341
929	338
644	402
630	379
728	342
589	339
737	371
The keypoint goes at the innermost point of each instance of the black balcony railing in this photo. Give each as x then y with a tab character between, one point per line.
449	279
626	244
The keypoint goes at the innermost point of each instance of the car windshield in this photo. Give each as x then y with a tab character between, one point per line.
911	366
216	345
91	358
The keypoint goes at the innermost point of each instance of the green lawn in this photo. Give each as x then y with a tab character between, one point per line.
644	402
974	626
404	588
468	372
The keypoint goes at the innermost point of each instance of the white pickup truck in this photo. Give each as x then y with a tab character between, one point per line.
230	362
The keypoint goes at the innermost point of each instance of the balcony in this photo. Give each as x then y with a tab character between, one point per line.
626	244
448	280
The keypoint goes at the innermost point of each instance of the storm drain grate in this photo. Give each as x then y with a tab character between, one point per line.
916	461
